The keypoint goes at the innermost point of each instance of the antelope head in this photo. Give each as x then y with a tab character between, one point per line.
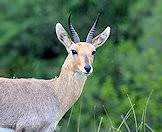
81	54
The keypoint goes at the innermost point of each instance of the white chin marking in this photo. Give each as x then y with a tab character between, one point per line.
80	75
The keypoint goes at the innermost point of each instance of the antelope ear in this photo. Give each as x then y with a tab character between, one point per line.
63	36
101	38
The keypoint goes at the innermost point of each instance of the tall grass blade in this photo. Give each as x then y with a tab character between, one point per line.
125	118
146	108
110	120
134	114
69	118
143	120
149	127
99	126
125	123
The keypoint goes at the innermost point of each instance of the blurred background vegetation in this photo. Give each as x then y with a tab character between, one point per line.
129	63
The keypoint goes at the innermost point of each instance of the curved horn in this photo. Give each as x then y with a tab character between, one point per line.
73	33
92	30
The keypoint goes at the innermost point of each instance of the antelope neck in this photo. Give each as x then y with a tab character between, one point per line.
70	85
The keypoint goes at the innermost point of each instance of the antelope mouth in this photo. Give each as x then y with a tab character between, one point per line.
87	73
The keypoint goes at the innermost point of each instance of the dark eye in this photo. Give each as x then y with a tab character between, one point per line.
74	52
93	52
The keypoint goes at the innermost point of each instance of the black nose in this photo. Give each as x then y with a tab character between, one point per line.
87	68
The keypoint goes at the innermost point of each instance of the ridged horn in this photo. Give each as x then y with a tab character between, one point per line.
92	30
74	34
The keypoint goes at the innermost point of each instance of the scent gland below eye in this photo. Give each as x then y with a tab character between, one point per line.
93	52
74	52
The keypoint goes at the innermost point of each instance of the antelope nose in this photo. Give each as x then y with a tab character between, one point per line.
87	68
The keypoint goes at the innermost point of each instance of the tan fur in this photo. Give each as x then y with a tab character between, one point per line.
42	102
83	50
38	105
30	97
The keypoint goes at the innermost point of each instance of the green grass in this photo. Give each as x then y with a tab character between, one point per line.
139	125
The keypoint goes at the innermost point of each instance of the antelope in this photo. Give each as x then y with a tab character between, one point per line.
37	105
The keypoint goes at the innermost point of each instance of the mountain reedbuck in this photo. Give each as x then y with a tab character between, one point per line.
37	105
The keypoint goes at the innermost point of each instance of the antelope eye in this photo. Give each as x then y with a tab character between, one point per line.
74	52
93	52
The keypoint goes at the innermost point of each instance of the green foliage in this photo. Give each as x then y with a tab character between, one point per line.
128	64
